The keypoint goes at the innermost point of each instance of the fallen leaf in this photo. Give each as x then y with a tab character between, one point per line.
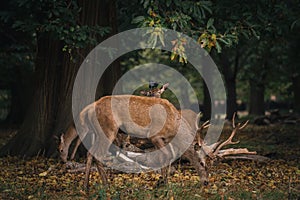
43	173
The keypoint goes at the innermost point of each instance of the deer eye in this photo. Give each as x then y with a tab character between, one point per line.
202	164
60	150
197	147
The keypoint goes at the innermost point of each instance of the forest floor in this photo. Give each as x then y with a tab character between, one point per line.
279	178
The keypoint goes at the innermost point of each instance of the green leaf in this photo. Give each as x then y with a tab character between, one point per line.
210	23
146	3
55	12
138	19
255	34
295	23
224	41
207	8
218	47
168	3
245	34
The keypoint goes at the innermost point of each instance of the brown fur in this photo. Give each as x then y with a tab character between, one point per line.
65	142
71	134
150	120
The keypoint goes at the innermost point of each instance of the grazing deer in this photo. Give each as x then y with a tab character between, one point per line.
67	138
160	127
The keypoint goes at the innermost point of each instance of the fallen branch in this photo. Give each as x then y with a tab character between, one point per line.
248	157
75	167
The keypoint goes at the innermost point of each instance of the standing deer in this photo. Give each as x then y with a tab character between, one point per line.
160	127
71	133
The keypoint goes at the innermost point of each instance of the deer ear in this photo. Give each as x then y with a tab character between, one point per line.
161	90
56	138
62	138
165	86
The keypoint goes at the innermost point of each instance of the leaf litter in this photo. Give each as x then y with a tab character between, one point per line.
47	178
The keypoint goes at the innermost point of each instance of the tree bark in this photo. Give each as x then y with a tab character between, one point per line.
257	87
32	137
206	103
229	70
256	101
50	112
21	95
231	98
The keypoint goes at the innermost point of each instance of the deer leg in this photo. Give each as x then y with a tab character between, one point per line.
78	141
159	143
102	172
87	171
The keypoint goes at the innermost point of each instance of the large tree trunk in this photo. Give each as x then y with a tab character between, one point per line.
257	88
206	101
21	96
256	103
32	137
50	113
229	70
231	98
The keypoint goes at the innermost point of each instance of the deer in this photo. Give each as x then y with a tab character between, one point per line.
71	134
67	138
160	128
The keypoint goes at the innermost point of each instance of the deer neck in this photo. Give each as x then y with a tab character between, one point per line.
70	135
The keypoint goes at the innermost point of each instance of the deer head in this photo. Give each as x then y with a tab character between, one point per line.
63	149
64	143
214	151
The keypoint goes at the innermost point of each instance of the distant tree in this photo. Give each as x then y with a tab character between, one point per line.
293	61
267	61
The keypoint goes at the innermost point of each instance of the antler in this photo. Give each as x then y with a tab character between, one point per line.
207	149
220	153
200	129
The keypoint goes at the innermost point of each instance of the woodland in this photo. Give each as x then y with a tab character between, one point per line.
254	44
